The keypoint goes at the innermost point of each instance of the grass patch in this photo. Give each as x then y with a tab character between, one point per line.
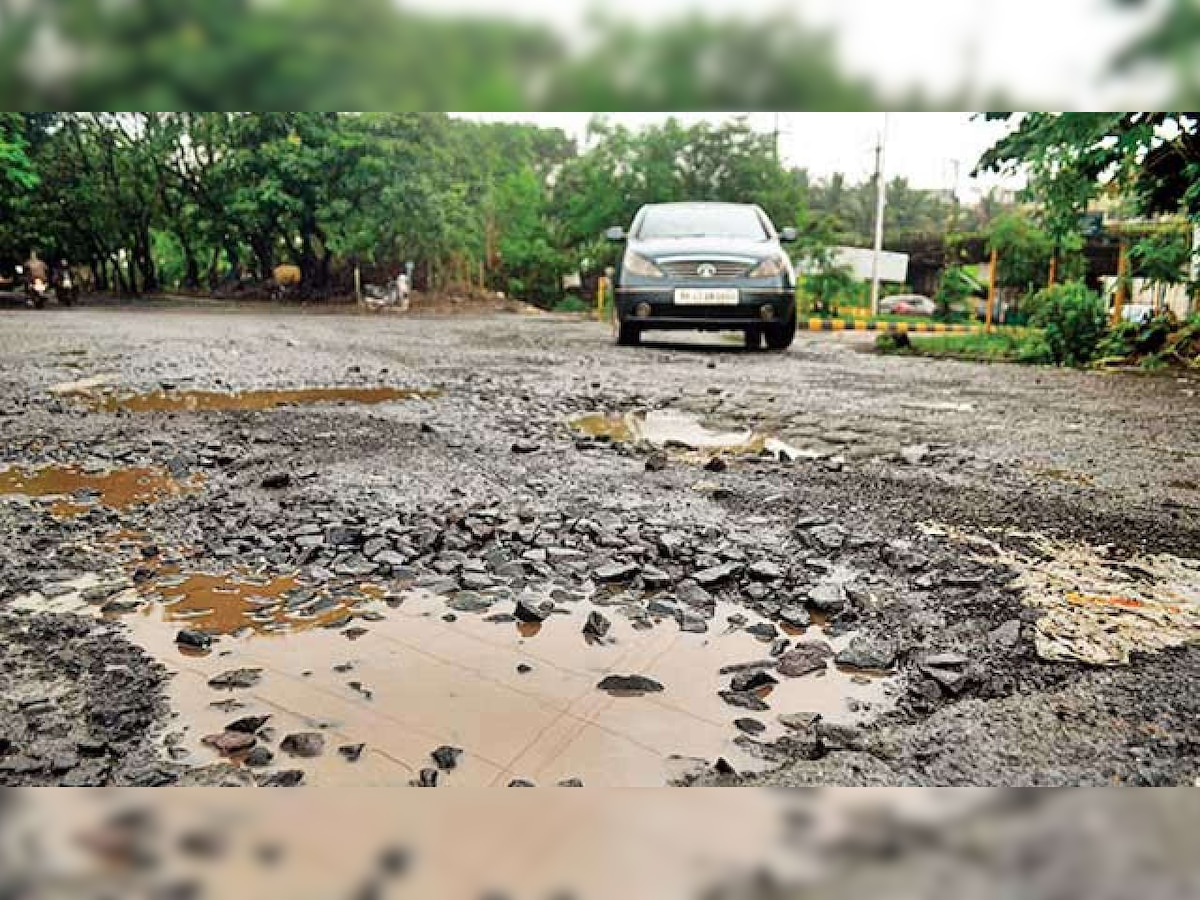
1025	345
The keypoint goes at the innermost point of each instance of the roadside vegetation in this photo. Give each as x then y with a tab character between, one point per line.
1025	345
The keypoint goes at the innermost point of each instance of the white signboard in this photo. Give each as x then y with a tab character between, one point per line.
892	266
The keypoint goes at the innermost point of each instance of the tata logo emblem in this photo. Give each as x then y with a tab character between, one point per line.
706	270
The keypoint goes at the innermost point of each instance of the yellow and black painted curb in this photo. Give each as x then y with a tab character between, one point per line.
893	327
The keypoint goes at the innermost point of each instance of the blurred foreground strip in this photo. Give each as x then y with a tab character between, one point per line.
629	844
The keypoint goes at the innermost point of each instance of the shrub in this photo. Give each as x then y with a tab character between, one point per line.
571	304
889	343
1074	321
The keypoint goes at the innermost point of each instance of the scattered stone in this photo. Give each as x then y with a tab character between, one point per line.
259	757
795	615
193	640
656	461
446	757
524	668
838	737
524	446
248	724
531	610
828	596
305	744
655	578
947	669
744	700
571	782
746	725
1006	636
764	631
799	721
629	685
427	779
715	575
867	653
915	454
616	571
716	464
596	626
470	602
283	778
691	621
476	581
804	658
752	680
827	538
520	783
723	767
277	480
228	742
764	570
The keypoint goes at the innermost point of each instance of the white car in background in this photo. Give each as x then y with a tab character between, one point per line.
907	305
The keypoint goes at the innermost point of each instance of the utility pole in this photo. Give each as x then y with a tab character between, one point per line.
880	204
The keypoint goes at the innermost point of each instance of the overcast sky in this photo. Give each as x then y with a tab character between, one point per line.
926	148
1040	53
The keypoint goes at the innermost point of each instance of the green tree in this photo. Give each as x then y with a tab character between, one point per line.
1024	250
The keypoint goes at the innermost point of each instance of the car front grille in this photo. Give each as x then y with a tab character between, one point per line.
689	268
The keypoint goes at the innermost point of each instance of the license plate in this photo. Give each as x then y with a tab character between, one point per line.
706	296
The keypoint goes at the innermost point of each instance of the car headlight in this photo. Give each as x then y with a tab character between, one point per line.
771	267
636	264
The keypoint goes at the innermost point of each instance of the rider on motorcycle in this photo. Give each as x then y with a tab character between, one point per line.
37	280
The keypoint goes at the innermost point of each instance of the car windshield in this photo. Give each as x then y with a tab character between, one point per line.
702	220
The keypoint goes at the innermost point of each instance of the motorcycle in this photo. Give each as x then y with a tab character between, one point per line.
37	293
66	290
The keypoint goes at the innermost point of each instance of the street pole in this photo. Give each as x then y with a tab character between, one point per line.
1194	269
992	288
880	203
1121	294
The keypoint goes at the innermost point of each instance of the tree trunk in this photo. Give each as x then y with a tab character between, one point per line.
264	255
234	260
191	266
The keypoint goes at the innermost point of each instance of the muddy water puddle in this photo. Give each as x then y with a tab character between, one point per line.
75	490
203	401
671	429
233	604
522	702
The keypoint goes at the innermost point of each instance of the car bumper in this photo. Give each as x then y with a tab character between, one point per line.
658	309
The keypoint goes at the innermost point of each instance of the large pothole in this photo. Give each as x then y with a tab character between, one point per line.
376	680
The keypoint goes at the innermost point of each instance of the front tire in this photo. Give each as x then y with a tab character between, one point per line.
780	337
628	335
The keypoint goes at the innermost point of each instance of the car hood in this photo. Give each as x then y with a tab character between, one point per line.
659	248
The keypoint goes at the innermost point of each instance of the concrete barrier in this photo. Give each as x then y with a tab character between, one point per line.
893	327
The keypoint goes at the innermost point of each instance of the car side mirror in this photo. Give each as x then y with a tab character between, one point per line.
616	234
788	235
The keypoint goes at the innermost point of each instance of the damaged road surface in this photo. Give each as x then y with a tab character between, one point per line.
276	549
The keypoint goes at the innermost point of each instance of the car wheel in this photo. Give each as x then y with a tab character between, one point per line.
780	337
628	335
